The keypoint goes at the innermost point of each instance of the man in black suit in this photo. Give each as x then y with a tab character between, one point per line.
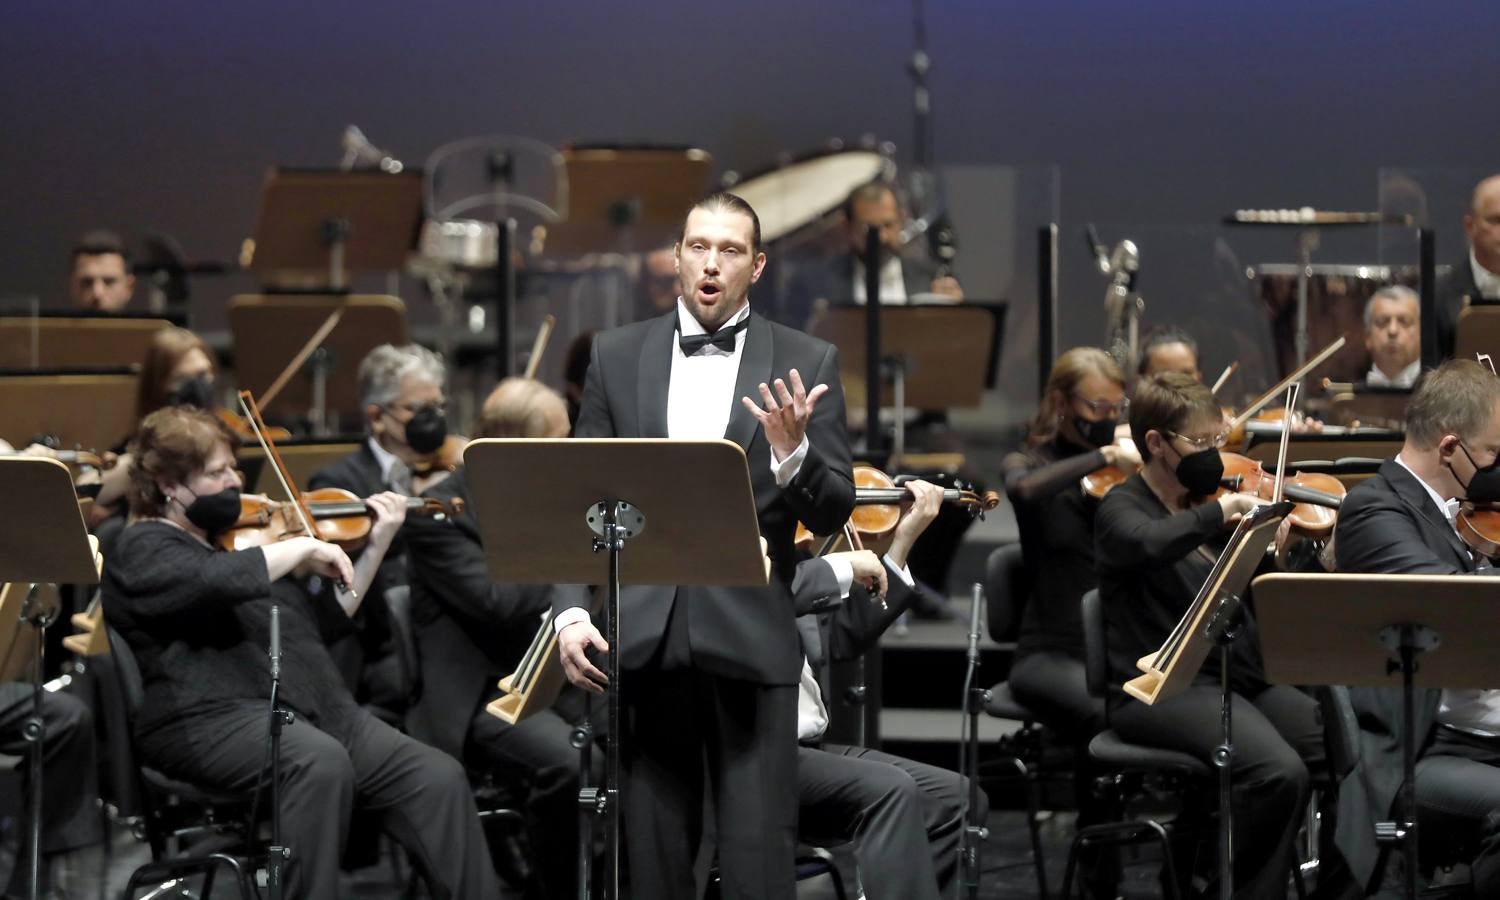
711	673
1477	277
396	385
905	818
471	632
1401	521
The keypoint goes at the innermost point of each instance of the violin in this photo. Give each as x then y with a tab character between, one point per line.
1237	422
243	429
1479	526
1101	481
446	458
339	517
877	505
1317	495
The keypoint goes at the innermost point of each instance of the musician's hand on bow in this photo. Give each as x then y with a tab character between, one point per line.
948	286
869	571
389	511
1122	453
573	643
786	413
916	514
1236	505
328	560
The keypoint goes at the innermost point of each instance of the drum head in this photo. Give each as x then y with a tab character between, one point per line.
794	196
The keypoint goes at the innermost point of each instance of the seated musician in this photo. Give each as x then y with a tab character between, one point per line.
840	280
100	279
1475	278
70	813
1402	521
471	632
1167	348
1155	545
1393	337
904	817
401	395
198	620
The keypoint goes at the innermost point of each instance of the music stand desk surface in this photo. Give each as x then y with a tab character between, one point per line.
269	329
948	350
1477	331
92	411
530	498
384	213
1325	628
612	194
56	342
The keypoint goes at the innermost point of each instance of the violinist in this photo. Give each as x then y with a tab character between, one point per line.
398	386
1155	543
198	619
471	632
1167	348
1403	520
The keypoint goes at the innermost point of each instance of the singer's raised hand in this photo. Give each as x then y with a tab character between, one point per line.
785	413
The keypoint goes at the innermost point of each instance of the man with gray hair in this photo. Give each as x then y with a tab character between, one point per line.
1393	337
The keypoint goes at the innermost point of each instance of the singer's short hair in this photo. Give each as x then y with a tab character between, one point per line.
1168	401
382	370
1457	397
726	201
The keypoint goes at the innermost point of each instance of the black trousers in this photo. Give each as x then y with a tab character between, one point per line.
538	749
1277	738
685	730
421	794
904	817
70	782
1458	792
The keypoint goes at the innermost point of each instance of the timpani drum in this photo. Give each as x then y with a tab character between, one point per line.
794	198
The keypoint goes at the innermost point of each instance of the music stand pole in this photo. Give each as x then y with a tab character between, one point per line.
1221	628
874	438
505	298
276	853
34	730
1406	640
582	739
336	236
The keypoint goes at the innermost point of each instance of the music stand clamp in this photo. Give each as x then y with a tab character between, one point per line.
53	548
690	543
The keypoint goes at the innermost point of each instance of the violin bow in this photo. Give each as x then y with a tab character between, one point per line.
1297	375
539	346
313	343
1224	376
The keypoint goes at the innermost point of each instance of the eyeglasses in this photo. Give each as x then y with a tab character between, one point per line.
1216	442
1104	407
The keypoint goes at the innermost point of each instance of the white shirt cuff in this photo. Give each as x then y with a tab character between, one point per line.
788	468
843	570
568	617
901	571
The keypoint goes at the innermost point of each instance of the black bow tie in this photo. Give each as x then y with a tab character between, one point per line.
723	339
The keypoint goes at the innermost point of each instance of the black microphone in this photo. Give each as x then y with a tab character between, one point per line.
275	642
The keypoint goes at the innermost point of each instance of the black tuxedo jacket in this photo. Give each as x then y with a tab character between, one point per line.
1388	524
832	280
745	633
1451	291
470	631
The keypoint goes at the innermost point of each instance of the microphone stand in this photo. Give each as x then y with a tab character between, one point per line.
276	853
1223	629
975	697
39	615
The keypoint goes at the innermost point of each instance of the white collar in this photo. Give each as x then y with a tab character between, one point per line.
688	324
383	458
1486	281
1448	506
1403	379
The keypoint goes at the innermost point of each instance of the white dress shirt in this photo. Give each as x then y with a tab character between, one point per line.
700	398
389	463
812	715
892	282
1404	379
1475	711
1486	281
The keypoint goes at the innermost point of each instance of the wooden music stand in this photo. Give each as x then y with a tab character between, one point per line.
627	200
1369	630
333	222
50	546
268	330
94	411
75	342
546	508
303	458
1477	331
1364	444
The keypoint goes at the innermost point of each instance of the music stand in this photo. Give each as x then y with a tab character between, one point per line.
627	199
268	331
50	546
932	357
94	411
1368	630
1477	331
546	508
335	222
71	342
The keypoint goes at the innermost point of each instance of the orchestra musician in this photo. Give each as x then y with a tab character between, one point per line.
471	632
1477	277
1393	337
1155	546
1402	521
198	619
712	673
100	279
1167	348
905	818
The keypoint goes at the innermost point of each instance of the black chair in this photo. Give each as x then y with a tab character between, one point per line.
1005	591
812	862
191	830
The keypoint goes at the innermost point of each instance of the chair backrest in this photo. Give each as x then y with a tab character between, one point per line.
1340	729
115	688
1095	651
398	602
1006	586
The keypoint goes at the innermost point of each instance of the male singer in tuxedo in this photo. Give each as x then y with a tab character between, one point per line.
710	674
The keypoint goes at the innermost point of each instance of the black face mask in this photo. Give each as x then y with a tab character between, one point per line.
1201	472
195	392
215	513
1098	434
1484	486
426	431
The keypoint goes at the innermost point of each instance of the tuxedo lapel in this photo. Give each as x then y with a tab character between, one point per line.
654	377
1413	494
755	369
